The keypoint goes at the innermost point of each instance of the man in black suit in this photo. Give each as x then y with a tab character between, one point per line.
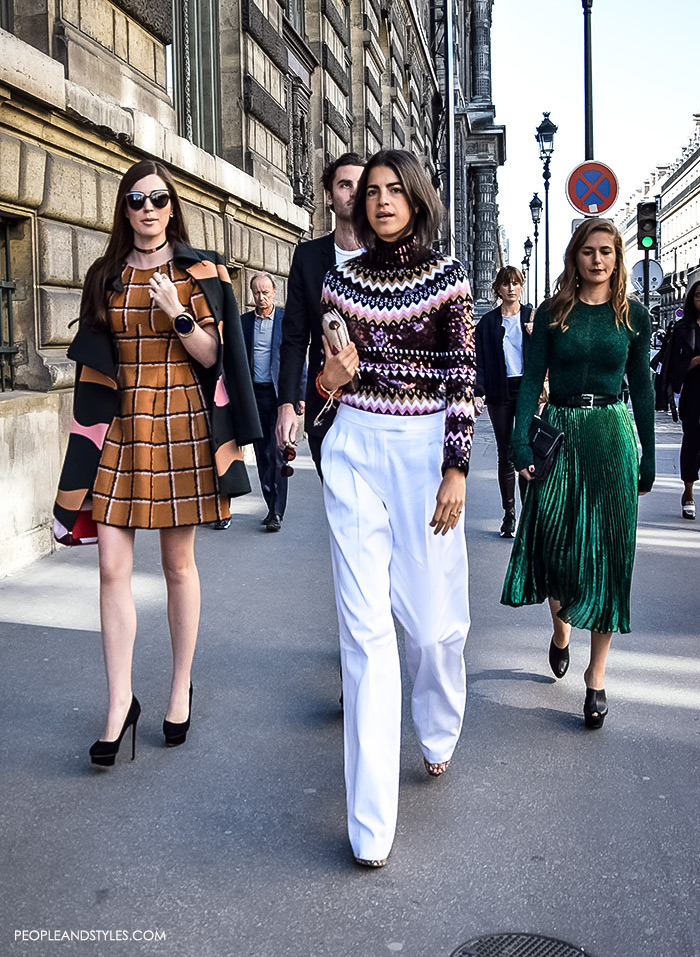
262	334
302	314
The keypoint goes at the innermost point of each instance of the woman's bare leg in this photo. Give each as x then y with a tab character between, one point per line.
115	548
182	580
562	631
594	675
688	492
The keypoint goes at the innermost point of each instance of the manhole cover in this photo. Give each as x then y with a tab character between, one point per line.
518	945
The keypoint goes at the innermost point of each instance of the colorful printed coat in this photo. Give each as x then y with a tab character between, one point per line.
227	386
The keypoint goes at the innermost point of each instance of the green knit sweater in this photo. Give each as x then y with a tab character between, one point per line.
592	356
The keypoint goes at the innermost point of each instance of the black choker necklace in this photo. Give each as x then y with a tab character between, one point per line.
139	250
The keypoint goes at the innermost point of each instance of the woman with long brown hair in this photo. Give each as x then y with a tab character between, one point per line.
576	538
502	340
163	395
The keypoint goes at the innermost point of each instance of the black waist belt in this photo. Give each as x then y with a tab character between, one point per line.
584	401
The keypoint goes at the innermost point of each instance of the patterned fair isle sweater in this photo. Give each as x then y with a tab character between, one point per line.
409	312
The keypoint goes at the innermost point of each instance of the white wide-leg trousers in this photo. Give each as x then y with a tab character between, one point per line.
380	477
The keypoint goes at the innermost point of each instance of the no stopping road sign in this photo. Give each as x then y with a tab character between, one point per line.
592	188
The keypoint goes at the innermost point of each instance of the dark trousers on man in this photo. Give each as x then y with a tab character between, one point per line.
315	442
267	453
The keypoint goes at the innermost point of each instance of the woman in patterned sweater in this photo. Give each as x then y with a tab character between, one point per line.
149	447
394	469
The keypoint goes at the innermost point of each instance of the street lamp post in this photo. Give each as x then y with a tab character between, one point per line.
526	263
536	213
545	138
588	77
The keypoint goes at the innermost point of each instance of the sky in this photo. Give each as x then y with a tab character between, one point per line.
646	87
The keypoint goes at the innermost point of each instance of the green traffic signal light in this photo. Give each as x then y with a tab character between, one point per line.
646	225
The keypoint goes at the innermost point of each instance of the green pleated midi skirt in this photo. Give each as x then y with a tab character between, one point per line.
576	537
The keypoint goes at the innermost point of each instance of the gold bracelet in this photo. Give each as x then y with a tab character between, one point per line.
323	391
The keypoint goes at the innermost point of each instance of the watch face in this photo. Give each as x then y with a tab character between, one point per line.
183	325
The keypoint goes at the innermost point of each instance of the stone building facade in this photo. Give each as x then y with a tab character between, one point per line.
676	190
245	101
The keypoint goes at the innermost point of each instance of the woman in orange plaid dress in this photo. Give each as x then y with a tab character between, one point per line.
156	464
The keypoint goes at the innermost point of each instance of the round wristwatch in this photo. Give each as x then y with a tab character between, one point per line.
183	325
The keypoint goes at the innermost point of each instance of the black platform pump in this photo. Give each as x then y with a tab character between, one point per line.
176	732
104	752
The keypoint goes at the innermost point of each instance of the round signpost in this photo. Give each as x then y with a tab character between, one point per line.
656	275
592	188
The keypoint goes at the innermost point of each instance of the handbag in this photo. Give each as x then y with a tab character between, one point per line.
84	531
336	332
545	441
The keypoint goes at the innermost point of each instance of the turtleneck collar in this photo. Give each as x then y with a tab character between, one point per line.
403	252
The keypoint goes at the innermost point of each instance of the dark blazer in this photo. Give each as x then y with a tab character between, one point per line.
684	346
227	387
248	324
301	323
491	376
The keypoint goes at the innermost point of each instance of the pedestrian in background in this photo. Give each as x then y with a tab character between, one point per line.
262	332
394	468
576	538
502	340
682	358
159	337
301	328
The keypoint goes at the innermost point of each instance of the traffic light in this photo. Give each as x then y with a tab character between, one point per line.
646	225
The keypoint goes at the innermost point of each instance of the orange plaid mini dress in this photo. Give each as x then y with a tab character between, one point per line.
156	468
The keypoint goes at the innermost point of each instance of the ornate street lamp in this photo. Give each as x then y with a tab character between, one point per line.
526	263
545	138
536	213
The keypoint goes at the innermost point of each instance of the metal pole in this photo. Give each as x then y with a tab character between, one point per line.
546	175
537	233
588	76
646	278
450	125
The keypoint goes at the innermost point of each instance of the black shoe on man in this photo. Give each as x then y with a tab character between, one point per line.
266	520
220	524
275	523
508	524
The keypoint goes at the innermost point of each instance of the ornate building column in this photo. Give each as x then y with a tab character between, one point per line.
485	234
481	50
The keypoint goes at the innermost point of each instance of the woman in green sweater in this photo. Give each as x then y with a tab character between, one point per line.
576	538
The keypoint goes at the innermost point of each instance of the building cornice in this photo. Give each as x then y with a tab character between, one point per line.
43	95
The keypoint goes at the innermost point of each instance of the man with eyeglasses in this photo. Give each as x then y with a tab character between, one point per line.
302	313
262	333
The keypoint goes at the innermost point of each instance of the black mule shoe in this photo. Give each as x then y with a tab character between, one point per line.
558	659
176	732
595	708
104	752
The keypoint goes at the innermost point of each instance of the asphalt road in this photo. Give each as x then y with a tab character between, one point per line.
234	845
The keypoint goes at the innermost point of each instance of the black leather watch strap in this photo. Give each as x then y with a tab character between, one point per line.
183	325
